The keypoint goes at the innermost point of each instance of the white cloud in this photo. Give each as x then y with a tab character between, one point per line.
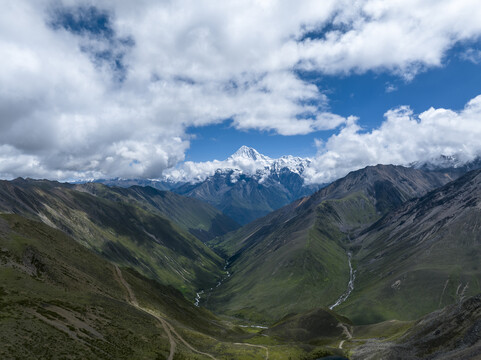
76	104
402	138
390	88
401	36
473	55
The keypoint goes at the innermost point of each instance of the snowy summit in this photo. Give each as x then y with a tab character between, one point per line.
245	160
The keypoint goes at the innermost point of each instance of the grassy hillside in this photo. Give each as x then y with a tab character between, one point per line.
59	300
449	334
295	258
299	265
118	228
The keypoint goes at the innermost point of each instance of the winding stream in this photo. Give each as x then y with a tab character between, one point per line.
350	285
219	283
197	298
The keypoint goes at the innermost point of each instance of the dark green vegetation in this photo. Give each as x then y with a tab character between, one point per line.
318	326
295	258
131	227
199	218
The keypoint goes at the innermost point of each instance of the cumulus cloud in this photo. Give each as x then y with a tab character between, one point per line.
402	138
99	89
401	36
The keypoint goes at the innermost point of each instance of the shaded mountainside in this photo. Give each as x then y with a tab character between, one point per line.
123	226
244	197
295	258
248	185
318	325
421	256
245	186
195	216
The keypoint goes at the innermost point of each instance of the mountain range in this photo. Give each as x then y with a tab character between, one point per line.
428	246
382	263
245	186
58	299
248	185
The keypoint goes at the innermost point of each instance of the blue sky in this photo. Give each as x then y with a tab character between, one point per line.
367	96
135	90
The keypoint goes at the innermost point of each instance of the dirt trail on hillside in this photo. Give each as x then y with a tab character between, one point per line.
187	344
345	331
131	299
130	294
168	328
258	346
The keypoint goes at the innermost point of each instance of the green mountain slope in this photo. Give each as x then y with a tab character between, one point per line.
60	300
420	257
295	258
318	325
120	228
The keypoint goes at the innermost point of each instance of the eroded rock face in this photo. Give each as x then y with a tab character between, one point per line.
32	262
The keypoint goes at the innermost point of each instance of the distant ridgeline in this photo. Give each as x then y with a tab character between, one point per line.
245	186
249	185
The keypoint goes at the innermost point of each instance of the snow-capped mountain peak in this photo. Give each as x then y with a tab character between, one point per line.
245	152
460	162
245	160
441	162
